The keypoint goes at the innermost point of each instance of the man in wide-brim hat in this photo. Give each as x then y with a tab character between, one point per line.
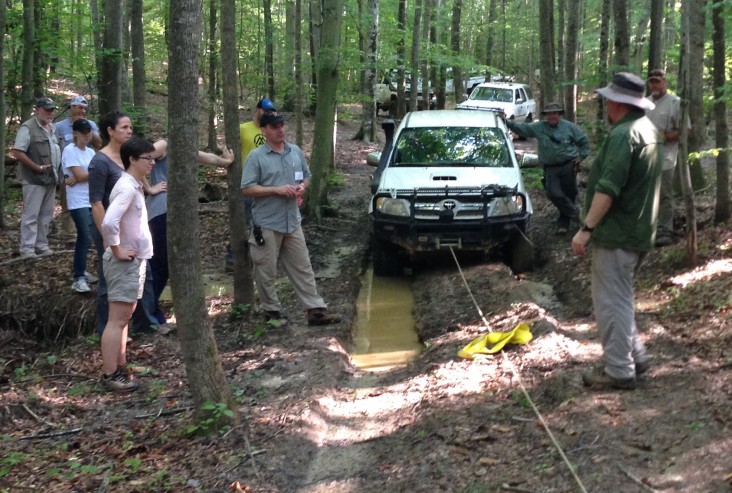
621	207
562	146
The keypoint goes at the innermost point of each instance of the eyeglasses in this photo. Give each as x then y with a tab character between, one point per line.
149	159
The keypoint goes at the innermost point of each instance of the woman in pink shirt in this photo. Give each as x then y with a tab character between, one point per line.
129	247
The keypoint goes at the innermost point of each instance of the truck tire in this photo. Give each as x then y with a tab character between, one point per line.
387	259
520	253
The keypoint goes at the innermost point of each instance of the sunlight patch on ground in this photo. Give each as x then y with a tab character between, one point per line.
703	273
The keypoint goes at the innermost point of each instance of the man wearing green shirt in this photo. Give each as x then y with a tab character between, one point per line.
622	208
562	146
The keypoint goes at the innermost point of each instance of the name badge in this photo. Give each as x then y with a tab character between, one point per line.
299	176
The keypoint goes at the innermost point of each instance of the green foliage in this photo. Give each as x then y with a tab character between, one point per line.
218	418
532	178
10	460
336	178
238	312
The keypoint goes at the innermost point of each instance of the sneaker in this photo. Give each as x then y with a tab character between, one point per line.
275	316
90	278
597	378
119	381
641	367
44	253
25	255
81	286
166	328
320	316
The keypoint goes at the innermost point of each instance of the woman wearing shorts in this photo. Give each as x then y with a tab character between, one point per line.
129	246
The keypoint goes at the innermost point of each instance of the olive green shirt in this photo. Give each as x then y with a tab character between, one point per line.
557	145
628	169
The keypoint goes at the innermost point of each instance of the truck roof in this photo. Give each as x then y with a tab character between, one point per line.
450	118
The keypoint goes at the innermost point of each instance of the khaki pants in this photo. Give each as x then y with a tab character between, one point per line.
292	250
666	205
68	228
38	202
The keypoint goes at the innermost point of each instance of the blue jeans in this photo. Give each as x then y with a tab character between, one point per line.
143	318
82	219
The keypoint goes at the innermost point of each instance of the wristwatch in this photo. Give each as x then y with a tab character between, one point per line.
585	227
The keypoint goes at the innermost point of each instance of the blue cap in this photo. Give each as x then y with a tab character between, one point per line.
266	104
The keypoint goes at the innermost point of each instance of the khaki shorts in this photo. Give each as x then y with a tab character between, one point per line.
125	278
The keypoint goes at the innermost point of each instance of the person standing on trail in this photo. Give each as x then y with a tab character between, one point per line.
36	148
562	147
666	116
275	175
129	247
622	205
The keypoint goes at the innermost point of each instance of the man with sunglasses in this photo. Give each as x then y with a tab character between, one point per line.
39	154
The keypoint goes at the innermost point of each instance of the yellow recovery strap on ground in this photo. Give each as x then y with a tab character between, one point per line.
519	335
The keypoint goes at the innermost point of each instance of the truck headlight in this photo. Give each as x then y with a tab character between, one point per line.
506	206
392	207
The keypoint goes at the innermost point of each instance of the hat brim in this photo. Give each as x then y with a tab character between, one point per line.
609	93
276	121
546	112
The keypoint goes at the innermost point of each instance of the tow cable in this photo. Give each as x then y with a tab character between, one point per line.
516	374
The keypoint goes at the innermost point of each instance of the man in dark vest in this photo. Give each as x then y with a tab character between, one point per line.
37	149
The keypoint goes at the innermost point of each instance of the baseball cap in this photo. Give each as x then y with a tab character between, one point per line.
46	103
79	101
81	125
656	74
271	119
266	104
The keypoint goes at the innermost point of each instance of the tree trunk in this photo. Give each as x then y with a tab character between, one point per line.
97	28
110	90
622	34
322	156
316	29
401	57
722	206
40	62
368	119
439	69
571	54
298	74
602	63
269	49
288	103
414	82
137	45
198	346
457	75
698	134
546	46
685	68
427	74
491	34
561	29
655	45
26	91
3	115
212	71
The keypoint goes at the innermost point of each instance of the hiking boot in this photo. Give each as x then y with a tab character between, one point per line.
641	367
320	316
598	379
90	278
44	253
276	317
81	286
119	381
26	254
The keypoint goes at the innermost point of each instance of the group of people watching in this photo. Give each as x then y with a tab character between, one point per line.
114	186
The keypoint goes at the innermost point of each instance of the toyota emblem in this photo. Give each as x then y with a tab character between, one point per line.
449	204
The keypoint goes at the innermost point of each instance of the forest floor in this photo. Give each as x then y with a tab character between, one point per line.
314	422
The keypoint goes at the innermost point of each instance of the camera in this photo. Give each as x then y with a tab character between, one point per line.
258	238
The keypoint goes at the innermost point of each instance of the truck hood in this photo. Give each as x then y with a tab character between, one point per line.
433	177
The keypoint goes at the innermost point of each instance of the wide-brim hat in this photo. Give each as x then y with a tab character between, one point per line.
626	88
552	108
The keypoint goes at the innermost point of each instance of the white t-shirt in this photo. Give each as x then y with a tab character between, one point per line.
77	196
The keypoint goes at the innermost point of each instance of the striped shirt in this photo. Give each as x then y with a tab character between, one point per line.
125	222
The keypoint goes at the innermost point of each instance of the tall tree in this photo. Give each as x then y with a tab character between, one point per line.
603	61
427	74
110	89
3	113
696	10
269	48
98	35
546	47
323	138
401	53
622	33
491	34
457	73
368	119
414	70
316	29
200	354
137	45
26	95
722	206
655	45
288	103
238	216
213	65
571	55
298	74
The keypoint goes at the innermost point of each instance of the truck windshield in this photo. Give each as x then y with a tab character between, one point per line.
452	146
498	94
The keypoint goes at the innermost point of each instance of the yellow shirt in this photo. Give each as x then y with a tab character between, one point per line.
251	138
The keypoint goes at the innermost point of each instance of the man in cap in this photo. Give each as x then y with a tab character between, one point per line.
666	116
37	149
621	205
64	131
275	175
562	146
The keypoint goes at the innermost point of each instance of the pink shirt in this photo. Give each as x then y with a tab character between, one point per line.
125	222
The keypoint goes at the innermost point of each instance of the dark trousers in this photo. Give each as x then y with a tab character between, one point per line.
159	261
143	318
560	182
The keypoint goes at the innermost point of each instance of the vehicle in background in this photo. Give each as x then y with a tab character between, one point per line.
515	100
448	179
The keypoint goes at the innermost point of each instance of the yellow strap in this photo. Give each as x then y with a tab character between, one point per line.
521	334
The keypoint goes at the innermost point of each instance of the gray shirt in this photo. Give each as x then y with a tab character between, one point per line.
157	204
65	131
666	116
268	168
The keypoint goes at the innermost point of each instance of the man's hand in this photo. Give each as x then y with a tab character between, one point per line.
289	191
577	162
227	155
579	242
71	181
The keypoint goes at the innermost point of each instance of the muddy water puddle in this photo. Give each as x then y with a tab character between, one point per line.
384	332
